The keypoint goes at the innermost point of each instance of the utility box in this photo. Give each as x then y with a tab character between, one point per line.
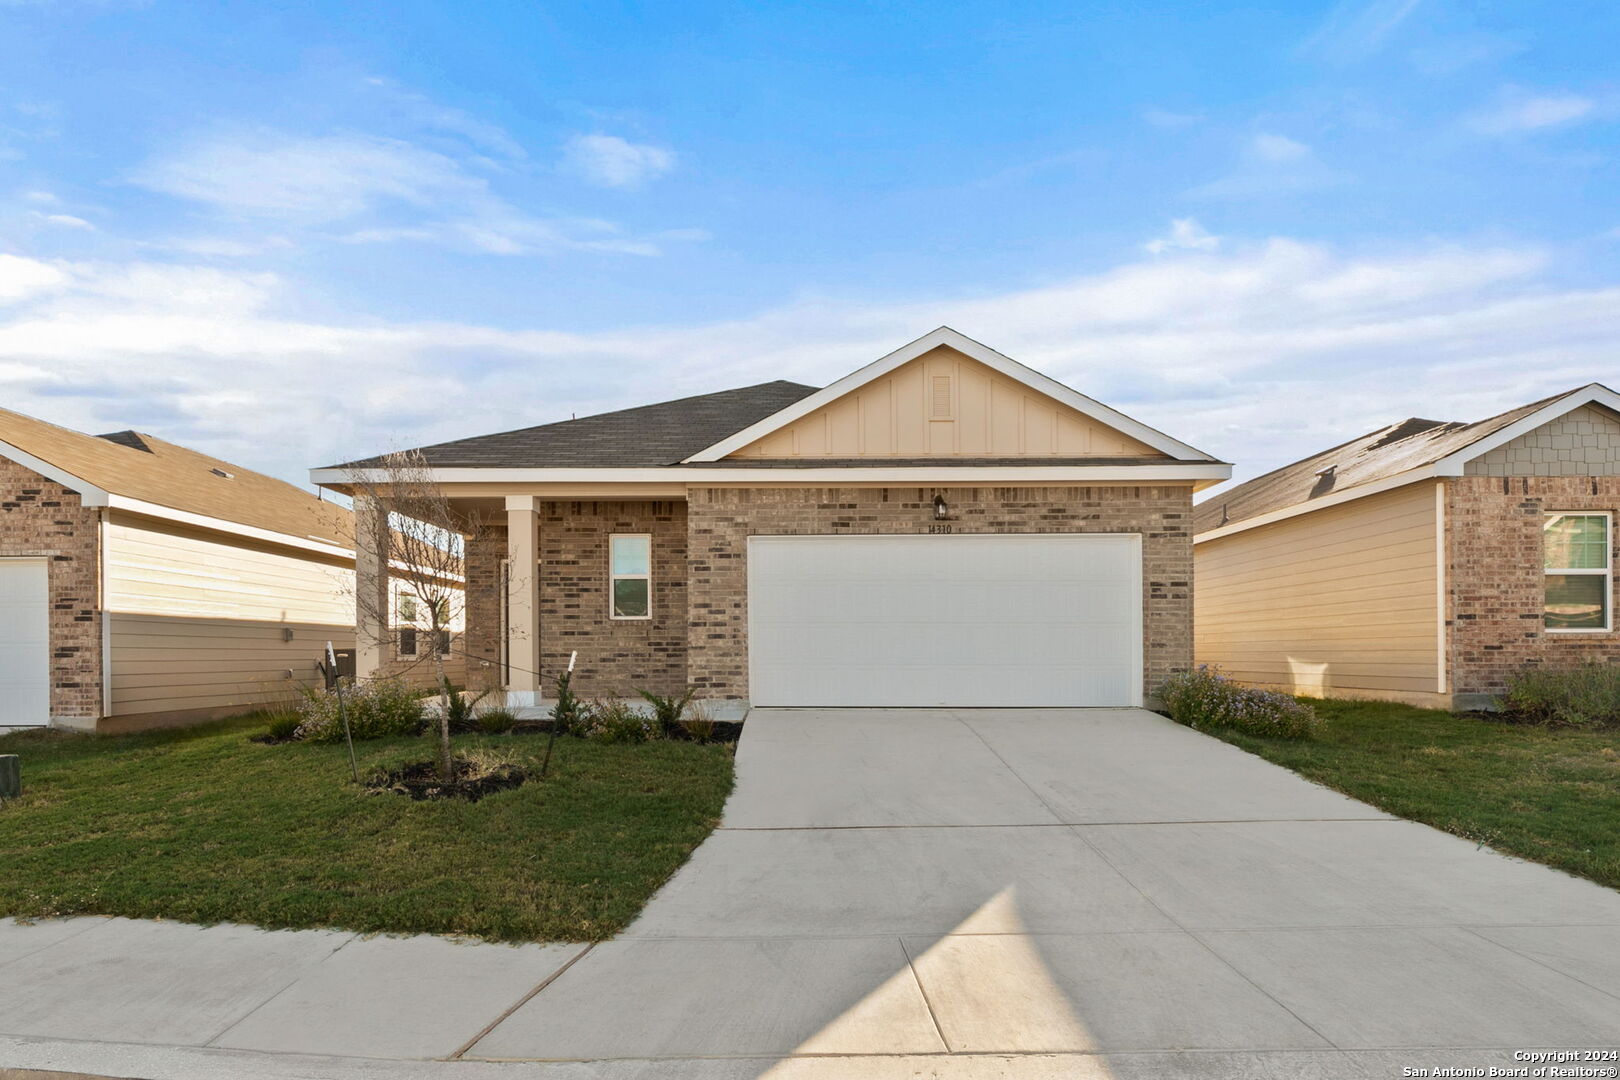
344	669
10	776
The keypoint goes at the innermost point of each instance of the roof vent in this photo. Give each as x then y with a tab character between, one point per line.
223	473
1324	480
941	401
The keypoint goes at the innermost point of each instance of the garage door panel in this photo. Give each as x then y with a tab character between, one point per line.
24	643
1048	620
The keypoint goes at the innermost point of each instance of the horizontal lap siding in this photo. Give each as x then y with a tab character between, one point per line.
197	623
1343	599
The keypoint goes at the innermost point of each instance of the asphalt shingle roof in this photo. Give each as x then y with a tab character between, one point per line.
648	435
1376	455
145	467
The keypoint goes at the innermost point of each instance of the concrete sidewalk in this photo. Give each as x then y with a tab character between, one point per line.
1095	893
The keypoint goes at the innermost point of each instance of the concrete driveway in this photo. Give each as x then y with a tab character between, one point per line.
900	894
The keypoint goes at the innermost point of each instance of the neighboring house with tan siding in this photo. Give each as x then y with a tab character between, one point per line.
146	584
943	526
1423	562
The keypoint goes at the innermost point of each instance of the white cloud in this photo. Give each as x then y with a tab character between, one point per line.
1167	118
1259	354
1185	235
1278	149
1533	112
614	162
360	189
21	278
1269	165
305	178
65	221
1356	29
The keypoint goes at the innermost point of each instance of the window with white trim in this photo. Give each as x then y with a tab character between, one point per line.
1579	571
630	575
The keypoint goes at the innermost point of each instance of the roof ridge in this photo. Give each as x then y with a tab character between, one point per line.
718	400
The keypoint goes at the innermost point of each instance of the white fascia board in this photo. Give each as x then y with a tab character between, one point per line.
967	346
1456	464
89	494
943	475
1337	498
203	521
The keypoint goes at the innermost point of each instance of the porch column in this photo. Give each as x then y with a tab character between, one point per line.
523	599
372	633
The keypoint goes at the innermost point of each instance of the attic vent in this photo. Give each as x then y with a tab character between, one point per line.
222	472
940	400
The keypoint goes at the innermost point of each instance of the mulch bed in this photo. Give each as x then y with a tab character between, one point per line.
420	780
725	731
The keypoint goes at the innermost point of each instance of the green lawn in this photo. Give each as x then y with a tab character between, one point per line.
201	825
1551	795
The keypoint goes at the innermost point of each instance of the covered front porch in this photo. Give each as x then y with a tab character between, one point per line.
549	575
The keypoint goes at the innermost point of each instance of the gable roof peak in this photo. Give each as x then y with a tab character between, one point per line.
975	350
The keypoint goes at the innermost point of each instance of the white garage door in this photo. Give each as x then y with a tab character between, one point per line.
25	659
923	620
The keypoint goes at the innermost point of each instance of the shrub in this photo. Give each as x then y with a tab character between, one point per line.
567	715
463	709
699	724
1207	699
377	709
496	720
614	721
1585	696
284	725
667	710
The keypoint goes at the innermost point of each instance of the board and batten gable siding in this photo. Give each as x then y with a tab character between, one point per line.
198	621
945	404
1338	602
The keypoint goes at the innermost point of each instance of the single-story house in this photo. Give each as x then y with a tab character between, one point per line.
944	526
146	584
1423	562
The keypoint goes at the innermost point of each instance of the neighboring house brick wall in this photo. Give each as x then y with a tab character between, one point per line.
40	517
1582	442
722	519
1495	576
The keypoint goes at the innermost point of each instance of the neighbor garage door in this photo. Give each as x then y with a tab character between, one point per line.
25	664
924	620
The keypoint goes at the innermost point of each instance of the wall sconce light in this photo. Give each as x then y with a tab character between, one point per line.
286	633
942	512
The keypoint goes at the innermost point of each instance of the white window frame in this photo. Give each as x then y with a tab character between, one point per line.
1607	572
614	579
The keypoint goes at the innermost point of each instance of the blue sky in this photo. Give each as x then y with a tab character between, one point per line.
292	233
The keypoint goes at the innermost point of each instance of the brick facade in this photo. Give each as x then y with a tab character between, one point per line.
699	634
616	656
722	519
1495	577
39	517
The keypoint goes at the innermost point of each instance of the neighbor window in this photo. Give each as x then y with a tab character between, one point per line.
630	575
407	641
1576	557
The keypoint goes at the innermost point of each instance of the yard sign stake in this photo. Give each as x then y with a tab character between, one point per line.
562	684
343	715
